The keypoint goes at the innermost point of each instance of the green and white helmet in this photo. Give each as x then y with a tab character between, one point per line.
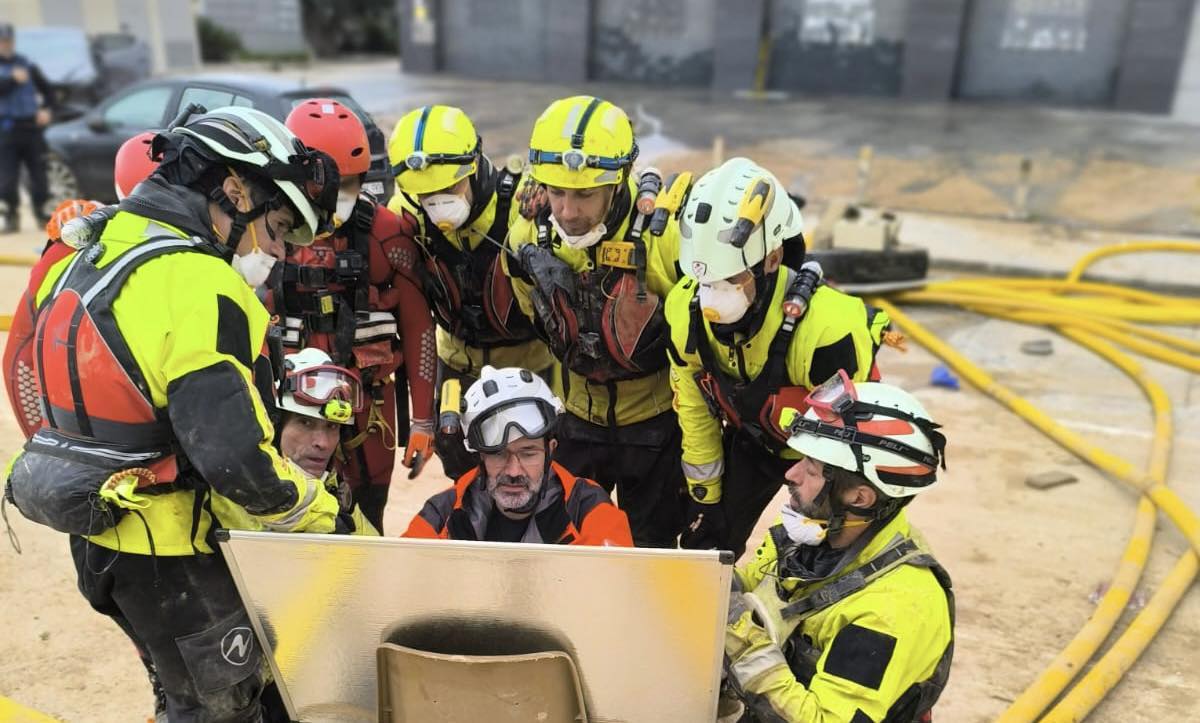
735	216
249	138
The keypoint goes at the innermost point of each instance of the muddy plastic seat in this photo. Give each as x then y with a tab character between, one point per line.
420	687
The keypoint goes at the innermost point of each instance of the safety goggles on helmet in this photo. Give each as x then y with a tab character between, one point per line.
315	174
575	159
832	399
528	418
337	391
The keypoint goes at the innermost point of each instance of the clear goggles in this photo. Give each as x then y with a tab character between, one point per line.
520	418
834	398
337	391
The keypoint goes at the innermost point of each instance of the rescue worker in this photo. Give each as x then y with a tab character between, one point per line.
592	279
148	444
349	294
318	399
519	493
749	337
463	207
132	165
27	104
846	615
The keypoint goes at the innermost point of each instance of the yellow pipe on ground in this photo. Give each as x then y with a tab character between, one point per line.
1129	248
1068	663
5	322
1176	314
6	260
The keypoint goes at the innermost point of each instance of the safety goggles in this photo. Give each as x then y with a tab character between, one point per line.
322	386
420	160
832	399
315	174
575	159
519	418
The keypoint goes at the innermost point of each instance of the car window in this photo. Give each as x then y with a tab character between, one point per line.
211	98
143	108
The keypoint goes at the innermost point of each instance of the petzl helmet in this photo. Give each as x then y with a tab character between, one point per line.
877	431
249	140
735	216
506	404
582	142
327	125
432	148
314	387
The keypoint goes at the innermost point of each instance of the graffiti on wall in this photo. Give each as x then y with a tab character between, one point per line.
1046	25
839	22
653	41
837	46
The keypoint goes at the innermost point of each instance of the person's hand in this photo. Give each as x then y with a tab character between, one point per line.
316	511
20	74
42	117
704	526
420	447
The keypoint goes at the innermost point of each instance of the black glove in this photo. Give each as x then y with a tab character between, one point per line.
704	527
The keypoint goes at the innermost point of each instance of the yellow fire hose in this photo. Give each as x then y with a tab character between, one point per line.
1099	315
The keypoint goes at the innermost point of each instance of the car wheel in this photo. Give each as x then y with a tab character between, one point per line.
61	181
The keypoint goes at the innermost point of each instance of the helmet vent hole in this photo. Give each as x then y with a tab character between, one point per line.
526	376
703	211
490	387
357	152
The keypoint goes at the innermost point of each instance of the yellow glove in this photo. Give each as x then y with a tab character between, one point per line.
316	511
751	655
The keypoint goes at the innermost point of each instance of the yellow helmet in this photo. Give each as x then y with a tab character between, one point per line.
582	142
432	148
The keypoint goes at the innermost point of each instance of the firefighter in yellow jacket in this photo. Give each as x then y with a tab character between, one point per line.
154	429
592	276
462	207
843	614
749	336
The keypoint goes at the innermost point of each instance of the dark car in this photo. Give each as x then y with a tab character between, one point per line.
81	152
80	69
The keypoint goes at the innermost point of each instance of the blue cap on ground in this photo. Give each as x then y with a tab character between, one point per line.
943	377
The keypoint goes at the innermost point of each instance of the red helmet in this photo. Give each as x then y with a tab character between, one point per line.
133	164
329	126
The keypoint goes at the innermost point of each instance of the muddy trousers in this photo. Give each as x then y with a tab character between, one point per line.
640	461
753	475
369	453
184	612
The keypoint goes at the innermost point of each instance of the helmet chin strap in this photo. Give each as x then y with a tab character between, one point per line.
239	219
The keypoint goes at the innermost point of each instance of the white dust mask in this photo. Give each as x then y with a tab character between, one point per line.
723	302
345	207
581	241
801	529
447	211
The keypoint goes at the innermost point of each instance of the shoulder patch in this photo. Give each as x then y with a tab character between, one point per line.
828	359
860	717
233	331
860	655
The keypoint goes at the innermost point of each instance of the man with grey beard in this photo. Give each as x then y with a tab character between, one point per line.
518	493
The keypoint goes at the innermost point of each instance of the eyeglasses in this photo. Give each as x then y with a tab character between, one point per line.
529	458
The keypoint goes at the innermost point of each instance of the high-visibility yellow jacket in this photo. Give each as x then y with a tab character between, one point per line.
194	328
836	333
454	351
637	399
880	650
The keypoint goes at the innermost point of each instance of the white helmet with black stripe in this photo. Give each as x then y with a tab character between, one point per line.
248	139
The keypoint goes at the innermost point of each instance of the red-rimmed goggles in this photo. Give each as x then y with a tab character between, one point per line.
834	398
319	385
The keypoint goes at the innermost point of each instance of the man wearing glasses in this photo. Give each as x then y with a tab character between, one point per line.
518	493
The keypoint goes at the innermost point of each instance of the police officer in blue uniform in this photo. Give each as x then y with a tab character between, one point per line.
26	100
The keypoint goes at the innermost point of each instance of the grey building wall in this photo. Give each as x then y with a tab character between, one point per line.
841	47
931	48
739	28
420	49
514	40
1155	41
264	26
1186	104
669	42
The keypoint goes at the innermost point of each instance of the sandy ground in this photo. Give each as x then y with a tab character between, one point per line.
1026	563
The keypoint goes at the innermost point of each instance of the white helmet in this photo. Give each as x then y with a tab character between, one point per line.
504	401
249	137
891	441
735	216
315	387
